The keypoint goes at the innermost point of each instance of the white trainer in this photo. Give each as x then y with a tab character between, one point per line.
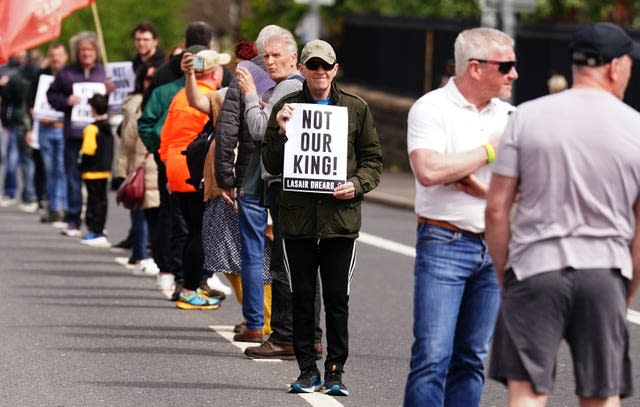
31	207
146	267
100	241
215	283
6	201
165	281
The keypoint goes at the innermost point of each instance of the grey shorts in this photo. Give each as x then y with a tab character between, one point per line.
587	308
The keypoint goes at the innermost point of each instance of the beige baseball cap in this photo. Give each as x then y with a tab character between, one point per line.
213	59
318	49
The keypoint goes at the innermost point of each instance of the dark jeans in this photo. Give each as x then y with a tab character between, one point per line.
19	154
281	300
39	176
192	206
171	228
51	142
74	181
97	204
151	216
335	258
139	234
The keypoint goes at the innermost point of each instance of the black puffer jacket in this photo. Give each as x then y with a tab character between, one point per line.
232	132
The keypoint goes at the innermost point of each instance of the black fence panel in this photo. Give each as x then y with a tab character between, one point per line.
410	56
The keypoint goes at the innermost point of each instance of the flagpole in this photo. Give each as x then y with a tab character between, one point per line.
96	19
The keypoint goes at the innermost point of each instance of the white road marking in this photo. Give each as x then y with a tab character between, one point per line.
633	316
387	244
317	399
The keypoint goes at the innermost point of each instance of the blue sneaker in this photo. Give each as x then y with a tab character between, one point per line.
333	385
196	301
91	236
308	382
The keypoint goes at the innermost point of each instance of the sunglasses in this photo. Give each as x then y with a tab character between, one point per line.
314	65
504	67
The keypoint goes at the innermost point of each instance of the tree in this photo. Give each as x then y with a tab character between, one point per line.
118	17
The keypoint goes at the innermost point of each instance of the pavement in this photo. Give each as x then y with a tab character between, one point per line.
396	189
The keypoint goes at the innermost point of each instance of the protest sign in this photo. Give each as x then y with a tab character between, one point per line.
42	110
81	113
123	77
315	154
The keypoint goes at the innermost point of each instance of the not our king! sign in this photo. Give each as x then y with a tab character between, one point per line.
315	154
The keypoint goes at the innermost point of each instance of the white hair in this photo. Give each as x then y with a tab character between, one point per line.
478	43
276	33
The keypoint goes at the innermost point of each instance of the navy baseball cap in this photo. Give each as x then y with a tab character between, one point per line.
599	43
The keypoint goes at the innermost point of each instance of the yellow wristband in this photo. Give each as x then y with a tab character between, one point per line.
491	153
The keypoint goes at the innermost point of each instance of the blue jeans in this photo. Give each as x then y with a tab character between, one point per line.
51	141
139	235
456	301
253	220
74	181
19	154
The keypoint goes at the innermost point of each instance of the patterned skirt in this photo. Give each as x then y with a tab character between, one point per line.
221	240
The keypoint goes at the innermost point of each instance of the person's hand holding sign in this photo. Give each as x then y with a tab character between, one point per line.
73	100
283	117
345	191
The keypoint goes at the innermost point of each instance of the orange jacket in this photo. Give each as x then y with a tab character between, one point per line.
182	125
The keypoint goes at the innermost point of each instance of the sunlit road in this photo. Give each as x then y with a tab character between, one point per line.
78	329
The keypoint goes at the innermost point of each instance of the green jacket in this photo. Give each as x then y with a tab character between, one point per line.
321	216
155	112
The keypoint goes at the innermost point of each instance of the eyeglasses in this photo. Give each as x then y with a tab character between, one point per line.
504	67
314	65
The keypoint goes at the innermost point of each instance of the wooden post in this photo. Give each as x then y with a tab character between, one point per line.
96	19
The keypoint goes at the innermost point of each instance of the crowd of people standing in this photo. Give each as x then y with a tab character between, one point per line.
478	262
186	231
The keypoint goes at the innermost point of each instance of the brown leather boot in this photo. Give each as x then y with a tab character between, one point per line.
271	350
248	335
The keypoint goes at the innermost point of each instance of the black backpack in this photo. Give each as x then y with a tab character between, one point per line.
196	153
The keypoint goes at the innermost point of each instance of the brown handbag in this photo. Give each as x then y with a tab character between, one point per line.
131	192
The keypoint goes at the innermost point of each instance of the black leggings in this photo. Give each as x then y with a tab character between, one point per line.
192	208
335	258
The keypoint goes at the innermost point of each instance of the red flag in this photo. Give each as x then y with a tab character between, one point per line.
27	23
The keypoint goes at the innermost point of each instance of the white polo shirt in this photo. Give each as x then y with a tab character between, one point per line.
444	121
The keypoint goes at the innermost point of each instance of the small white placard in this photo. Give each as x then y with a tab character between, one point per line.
41	107
81	113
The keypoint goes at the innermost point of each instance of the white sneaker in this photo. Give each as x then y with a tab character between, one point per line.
59	224
124	261
6	201
31	207
71	230
165	281
215	283
146	267
98	241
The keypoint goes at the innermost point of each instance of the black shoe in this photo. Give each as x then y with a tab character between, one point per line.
124	244
52	216
333	385
308	382
176	291
211	293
